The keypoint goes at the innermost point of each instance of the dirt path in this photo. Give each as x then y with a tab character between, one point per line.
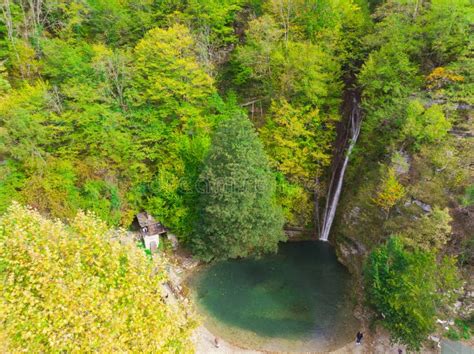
204	342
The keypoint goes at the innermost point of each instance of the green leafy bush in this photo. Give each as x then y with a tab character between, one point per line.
407	288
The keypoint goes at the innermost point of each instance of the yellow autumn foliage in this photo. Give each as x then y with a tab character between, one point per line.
75	288
389	192
440	76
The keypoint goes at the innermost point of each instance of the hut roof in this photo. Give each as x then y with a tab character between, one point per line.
145	219
148	225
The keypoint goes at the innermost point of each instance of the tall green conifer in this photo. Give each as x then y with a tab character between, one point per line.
238	215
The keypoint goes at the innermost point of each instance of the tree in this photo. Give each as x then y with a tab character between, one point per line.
73	288
408	289
238	216
389	192
430	232
4	83
296	140
302	72
447	28
425	125
168	77
388	77
11	182
27	127
213	23
298	143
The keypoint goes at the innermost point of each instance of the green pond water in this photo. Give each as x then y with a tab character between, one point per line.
295	300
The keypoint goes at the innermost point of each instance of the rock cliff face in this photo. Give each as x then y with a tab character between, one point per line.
352	254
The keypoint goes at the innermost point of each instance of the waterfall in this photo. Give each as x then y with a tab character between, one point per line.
335	186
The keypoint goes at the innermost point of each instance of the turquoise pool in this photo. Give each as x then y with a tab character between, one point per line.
296	300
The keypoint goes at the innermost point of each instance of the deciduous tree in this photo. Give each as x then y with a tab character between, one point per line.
75	288
390	191
407	289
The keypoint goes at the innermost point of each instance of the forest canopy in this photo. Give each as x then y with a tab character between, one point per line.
112	107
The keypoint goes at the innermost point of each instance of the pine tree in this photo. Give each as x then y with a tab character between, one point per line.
238	215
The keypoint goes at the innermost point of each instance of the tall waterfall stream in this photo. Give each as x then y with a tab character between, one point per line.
337	178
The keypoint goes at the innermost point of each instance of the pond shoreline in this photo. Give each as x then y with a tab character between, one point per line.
184	266
204	341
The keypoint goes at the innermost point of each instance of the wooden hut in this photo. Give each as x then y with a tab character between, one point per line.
150	230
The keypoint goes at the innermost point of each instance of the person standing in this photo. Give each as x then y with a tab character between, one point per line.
359	337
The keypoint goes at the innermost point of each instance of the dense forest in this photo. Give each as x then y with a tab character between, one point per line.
222	118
